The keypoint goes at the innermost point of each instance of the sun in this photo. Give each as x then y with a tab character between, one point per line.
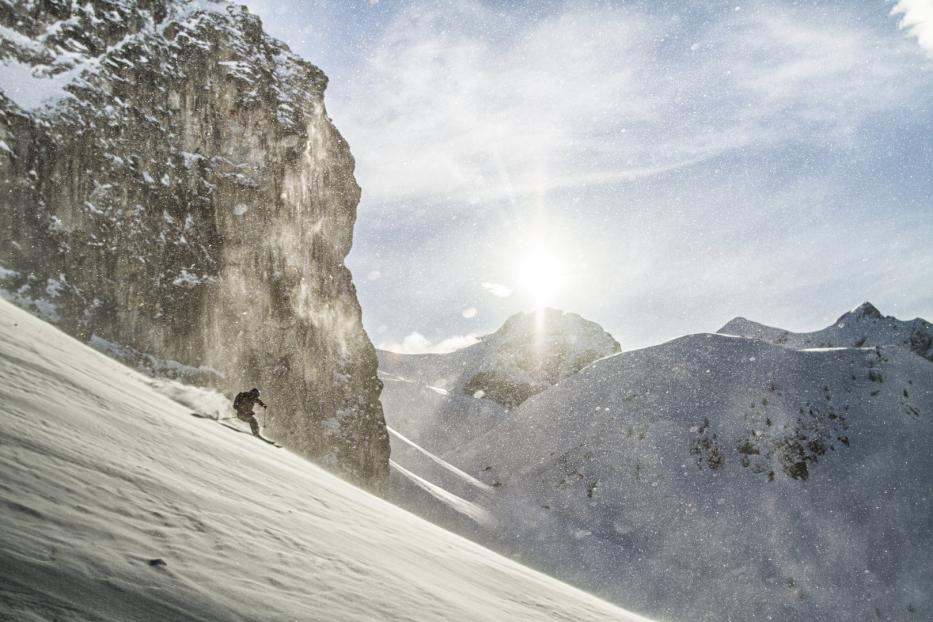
540	275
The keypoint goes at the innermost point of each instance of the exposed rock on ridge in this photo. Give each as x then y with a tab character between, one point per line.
171	183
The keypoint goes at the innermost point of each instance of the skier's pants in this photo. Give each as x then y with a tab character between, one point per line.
250	418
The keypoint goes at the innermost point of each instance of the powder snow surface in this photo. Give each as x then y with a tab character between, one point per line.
116	504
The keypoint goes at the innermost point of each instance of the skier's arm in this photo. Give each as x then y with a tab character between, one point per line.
260	402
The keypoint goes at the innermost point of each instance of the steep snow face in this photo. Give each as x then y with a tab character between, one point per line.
863	326
174	191
443	400
715	477
117	505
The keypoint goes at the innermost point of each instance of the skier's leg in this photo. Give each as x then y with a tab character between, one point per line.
254	425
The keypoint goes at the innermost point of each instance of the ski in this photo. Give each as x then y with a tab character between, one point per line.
260	437
220	421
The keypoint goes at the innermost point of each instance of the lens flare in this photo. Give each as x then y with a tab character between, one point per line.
540	275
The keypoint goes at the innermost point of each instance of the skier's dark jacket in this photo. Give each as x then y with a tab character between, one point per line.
244	402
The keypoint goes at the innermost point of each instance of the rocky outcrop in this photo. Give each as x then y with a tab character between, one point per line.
171	183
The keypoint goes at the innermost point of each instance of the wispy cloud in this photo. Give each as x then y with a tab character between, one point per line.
467	102
497	289
918	20
416	343
688	162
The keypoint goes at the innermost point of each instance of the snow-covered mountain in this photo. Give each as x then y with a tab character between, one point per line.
117	505
863	326
175	193
719	477
443	400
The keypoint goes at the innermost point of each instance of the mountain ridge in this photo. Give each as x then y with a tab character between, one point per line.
863	326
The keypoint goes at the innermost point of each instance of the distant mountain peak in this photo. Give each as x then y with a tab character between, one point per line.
530	352
865	310
737	321
534	350
547	320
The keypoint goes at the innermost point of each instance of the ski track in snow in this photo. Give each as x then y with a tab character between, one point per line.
442	463
467	508
117	505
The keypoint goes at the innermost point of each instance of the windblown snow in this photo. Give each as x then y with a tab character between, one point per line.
118	505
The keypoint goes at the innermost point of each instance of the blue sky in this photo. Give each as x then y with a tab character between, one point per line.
658	167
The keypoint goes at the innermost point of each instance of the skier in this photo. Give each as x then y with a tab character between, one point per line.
243	404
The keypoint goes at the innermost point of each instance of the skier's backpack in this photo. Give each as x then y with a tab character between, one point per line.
238	400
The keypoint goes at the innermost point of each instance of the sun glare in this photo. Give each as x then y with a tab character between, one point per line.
539	275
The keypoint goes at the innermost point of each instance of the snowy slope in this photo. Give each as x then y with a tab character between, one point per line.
118	505
863	326
711	477
716	477
424	410
438	402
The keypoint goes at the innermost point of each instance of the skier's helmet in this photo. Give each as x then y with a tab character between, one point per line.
254	392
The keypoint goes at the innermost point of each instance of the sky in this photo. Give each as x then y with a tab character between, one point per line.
657	167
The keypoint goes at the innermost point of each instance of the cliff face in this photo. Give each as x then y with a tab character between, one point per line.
171	182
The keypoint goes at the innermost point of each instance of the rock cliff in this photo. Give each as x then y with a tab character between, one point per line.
172	186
